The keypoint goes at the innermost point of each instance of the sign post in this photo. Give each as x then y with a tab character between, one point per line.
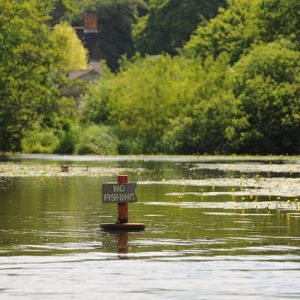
121	193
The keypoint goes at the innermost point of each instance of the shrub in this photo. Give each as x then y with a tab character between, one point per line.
98	140
68	138
266	85
40	142
142	98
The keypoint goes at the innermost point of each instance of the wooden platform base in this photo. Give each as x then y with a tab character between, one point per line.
123	226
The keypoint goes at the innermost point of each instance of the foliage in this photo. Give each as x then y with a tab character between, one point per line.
98	140
200	126
232	31
63	119
60	10
95	105
267	86
235	92
69	45
279	19
38	141
61	125
245	23
169	24
68	137
29	64
184	106
141	115
115	20
233	88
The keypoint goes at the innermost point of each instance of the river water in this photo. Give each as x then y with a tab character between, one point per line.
216	228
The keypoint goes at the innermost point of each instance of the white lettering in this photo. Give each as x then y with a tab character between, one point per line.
119	188
132	197
107	198
119	198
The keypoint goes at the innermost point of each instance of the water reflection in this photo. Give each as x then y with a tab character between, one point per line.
116	242
204	224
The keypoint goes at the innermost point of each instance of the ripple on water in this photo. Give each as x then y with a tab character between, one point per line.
284	187
251	167
270	205
209	250
176	242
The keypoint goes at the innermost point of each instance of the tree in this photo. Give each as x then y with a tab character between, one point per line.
232	31
243	24
60	10
115	20
169	24
279	19
200	125
69	45
267	87
141	100
236	89
29	64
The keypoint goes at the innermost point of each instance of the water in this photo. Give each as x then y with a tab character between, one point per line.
216	228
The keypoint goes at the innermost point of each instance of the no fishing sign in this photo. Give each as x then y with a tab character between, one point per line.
119	193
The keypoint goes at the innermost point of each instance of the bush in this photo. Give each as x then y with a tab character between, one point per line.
266	85
98	140
142	98
169	24
68	138
232	31
40	142
200	126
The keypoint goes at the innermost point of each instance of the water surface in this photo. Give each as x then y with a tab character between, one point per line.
216	228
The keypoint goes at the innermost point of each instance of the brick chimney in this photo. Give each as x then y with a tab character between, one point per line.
90	21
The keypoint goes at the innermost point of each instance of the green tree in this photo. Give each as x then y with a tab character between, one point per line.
201	124
40	141
74	54
244	23
232	31
237	90
279	19
98	140
141	100
115	20
267	88
169	24
60	11
29	65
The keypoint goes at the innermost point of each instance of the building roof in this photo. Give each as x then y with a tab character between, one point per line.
92	73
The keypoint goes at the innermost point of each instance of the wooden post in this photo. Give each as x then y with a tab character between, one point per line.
122	207
111	195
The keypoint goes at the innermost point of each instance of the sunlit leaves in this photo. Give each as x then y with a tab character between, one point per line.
232	32
268	89
73	52
169	24
143	97
28	68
